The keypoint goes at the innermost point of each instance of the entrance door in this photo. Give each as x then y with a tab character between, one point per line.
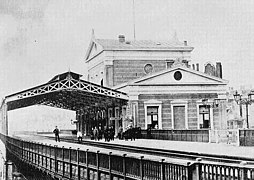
179	117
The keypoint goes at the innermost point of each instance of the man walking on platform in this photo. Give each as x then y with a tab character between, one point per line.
56	132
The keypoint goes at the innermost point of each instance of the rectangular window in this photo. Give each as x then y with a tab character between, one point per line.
204	116
152	116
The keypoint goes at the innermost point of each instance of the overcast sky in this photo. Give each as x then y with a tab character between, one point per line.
42	38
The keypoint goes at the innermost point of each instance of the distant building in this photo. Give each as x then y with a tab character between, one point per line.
164	90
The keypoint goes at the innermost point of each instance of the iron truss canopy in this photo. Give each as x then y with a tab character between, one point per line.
67	91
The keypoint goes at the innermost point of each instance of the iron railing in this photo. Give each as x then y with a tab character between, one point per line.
68	163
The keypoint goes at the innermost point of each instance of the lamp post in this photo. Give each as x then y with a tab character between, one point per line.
247	101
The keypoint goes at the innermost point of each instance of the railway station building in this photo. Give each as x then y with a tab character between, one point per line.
148	84
165	91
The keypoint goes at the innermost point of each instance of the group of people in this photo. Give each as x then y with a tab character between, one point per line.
107	132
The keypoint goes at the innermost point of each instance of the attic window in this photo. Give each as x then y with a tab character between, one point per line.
178	75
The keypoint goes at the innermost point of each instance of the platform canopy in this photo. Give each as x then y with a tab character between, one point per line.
67	91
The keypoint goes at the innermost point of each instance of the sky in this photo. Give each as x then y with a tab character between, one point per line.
39	39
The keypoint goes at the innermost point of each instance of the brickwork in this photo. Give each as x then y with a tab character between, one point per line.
126	70
216	118
141	113
166	115
192	115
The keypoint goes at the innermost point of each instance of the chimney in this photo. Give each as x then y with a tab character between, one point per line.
121	38
185	43
193	66
218	70
197	65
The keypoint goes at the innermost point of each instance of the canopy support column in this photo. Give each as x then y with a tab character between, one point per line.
4	118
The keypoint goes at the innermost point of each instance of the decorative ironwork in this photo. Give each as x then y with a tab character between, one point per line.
68	84
67	91
248	100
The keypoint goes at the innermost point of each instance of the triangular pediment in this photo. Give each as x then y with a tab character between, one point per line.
179	76
94	48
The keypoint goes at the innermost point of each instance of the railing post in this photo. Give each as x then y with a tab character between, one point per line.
42	155
109	165
162	169
197	172
38	154
50	159
9	170
87	166
70	165
63	160
55	158
46	156
22	150
32	152
98	164
141	168
189	171
78	166
243	171
29	152
124	166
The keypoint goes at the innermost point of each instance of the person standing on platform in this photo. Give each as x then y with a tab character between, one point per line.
112	133
79	136
106	134
95	133
56	132
100	133
120	132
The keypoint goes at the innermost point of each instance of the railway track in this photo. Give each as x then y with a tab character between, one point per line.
162	152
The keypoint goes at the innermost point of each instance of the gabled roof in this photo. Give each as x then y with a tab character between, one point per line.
165	77
66	91
135	45
113	44
64	76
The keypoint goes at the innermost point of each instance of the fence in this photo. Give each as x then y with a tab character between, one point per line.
229	136
67	163
240	137
198	135
246	137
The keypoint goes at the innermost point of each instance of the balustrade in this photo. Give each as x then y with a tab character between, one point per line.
70	163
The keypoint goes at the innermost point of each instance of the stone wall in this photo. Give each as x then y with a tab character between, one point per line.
166	108
126	70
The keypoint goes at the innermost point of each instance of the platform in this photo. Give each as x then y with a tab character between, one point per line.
196	147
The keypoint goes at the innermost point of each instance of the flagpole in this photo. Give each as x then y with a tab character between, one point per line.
133	7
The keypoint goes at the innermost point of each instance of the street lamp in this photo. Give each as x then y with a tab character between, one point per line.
247	101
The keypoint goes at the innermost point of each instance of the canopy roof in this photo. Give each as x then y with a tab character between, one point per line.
67	91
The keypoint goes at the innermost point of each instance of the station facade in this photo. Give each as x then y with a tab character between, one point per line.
164	90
